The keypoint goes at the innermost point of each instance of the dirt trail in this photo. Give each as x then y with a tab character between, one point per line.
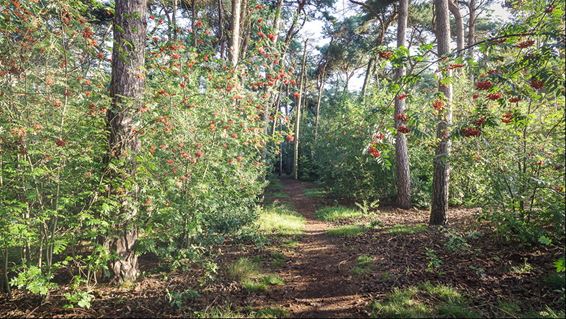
318	282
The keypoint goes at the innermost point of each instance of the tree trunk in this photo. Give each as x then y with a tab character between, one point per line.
319	98
366	79
127	93
441	176
221	28
471	27
298	119
455	10
235	43
401	150
277	20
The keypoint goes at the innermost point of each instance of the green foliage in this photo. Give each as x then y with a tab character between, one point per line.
346	231
456	243
33	280
337	213
433	261
178	299
79	298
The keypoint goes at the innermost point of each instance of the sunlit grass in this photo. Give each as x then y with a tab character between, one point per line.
424	301
346	231
336	213
280	220
250	275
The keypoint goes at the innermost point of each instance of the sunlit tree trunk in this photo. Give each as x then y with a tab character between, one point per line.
235	43
299	100
441	176
319	99
403	176
459	22
127	88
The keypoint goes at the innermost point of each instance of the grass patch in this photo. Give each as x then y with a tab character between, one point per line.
277	259
424	301
291	244
407	229
280	220
275	184
262	283
271	313
363	265
279	195
314	192
243	269
249	274
346	231
218	312
336	213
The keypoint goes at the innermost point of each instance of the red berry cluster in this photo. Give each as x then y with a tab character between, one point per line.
438	105
507	118
387	55
484	85
373	151
471	131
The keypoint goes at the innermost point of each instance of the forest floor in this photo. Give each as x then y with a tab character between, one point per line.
343	264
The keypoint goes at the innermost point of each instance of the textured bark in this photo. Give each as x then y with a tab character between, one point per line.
459	22
298	119
277	20
221	28
471	27
366	79
319	98
403	175
441	176
127	92
235	43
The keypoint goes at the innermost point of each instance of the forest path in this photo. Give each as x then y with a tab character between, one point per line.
317	281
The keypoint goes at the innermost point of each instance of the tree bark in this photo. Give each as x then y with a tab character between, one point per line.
319	98
366	79
127	87
471	27
235	43
455	10
298	119
441	176
403	175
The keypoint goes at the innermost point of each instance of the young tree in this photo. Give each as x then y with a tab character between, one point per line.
127	89
401	153
299	100
441	175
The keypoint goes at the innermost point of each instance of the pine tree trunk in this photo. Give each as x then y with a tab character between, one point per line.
298	119
441	176
319	98
127	93
471	27
401	150
459	23
235	43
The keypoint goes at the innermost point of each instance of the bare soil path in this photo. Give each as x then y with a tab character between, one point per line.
317	283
